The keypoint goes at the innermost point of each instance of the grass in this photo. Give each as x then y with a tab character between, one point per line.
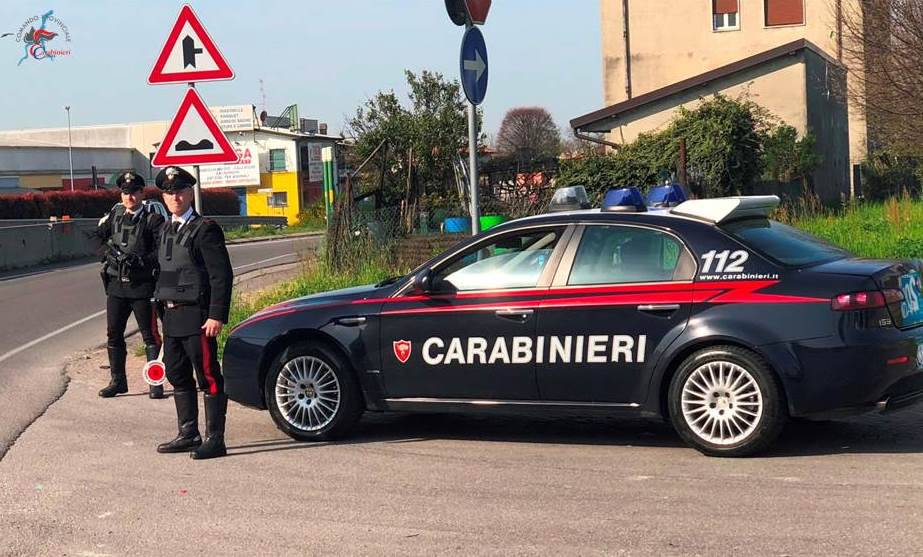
890	230
265	230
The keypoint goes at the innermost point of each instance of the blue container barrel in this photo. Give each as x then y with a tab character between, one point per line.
457	225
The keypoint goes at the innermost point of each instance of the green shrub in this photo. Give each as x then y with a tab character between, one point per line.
726	152
887	174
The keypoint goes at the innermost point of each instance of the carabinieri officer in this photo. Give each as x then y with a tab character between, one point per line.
194	287
129	232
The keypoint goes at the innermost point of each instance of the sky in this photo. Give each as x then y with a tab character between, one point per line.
327	57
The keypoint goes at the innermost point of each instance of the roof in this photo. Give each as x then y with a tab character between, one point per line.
709	211
598	119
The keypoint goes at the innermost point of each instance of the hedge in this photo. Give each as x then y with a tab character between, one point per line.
94	204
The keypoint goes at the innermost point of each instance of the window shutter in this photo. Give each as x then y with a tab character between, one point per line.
784	12
725	6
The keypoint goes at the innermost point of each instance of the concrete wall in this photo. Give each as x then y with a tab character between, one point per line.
32	244
672	40
828	119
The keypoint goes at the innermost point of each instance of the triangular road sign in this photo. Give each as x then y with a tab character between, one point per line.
189	54
194	137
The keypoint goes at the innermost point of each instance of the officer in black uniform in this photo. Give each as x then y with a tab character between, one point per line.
129	232
194	287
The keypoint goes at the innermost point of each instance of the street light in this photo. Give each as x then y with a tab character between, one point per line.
70	152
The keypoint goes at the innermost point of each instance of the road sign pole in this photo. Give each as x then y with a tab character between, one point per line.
198	190
473	167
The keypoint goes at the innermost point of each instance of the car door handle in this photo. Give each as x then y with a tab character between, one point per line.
658	308
517	315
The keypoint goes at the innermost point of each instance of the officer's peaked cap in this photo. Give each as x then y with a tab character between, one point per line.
174	178
129	181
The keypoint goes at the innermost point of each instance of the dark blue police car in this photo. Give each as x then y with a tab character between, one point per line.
707	314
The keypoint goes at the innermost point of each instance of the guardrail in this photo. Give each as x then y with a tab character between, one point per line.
234	221
28	242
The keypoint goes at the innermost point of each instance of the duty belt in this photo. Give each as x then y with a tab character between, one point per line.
171	305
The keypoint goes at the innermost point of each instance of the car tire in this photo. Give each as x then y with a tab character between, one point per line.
725	401
312	393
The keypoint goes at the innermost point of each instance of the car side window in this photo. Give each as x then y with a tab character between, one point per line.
512	261
626	254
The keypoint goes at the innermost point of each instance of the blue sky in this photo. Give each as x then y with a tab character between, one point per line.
326	56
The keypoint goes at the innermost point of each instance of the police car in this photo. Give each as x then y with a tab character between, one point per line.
705	313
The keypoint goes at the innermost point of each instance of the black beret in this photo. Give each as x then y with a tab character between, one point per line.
174	178
130	182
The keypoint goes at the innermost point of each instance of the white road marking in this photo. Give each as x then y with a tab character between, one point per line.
264	261
40	339
79	322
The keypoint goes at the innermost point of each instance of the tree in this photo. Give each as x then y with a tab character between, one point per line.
882	42
419	142
529	134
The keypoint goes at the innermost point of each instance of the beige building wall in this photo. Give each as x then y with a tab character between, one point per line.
771	89
672	40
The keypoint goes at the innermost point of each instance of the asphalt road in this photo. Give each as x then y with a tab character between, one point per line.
47	315
85	480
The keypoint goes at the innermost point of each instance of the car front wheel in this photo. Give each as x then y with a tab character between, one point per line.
312	393
724	401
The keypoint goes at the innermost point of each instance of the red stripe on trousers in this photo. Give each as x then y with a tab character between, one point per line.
154	330
207	366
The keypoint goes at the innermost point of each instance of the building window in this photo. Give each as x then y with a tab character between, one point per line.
784	12
725	15
276	160
278	199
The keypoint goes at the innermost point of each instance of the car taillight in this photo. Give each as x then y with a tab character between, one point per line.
865	300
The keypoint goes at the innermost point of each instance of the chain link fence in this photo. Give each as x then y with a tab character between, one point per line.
362	232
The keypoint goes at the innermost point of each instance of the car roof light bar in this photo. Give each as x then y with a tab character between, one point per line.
723	209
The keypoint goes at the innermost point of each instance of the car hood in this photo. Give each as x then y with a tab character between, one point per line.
343	295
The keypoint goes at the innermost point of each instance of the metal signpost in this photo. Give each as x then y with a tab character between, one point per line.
194	136
474	73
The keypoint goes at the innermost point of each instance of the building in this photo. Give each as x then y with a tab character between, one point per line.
785	55
279	173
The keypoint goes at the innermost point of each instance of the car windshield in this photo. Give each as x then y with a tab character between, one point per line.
783	243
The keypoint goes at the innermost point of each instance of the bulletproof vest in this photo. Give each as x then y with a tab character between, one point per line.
180	279
125	239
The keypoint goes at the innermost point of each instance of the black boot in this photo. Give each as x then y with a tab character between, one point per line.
187	418
117	384
216	408
153	352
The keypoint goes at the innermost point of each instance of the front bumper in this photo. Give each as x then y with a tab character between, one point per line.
241	368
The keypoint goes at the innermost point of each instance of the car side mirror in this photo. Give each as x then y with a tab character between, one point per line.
423	282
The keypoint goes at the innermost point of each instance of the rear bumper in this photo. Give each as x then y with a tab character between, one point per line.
827	377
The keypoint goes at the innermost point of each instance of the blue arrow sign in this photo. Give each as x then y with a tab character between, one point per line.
473	65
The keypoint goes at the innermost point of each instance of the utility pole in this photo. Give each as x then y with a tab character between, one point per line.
70	151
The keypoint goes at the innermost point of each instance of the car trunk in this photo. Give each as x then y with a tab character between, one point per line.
902	276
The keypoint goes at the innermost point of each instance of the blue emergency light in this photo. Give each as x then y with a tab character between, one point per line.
624	200
669	195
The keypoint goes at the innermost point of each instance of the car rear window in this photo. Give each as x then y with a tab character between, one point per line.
785	244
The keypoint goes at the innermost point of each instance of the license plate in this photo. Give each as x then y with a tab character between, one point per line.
911	311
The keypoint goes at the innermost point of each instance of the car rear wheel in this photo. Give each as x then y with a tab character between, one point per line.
724	401
312	393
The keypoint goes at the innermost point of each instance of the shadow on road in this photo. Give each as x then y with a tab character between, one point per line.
895	433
